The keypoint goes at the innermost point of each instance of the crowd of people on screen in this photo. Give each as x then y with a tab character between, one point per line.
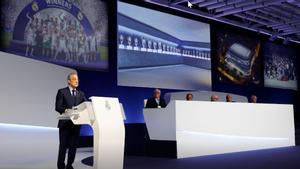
280	68
57	34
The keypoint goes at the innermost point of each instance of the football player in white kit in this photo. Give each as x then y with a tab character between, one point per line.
46	42
30	35
62	22
76	41
93	47
54	42
62	45
70	43
81	46
75	47
86	49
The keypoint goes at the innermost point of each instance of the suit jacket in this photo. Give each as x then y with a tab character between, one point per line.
65	100
151	103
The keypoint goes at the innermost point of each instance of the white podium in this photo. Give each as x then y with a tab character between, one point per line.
205	128
105	116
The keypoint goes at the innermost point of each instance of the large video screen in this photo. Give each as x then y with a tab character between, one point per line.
66	32
161	50
238	58
280	69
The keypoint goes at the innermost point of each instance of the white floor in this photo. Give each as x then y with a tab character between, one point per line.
175	77
47	161
33	147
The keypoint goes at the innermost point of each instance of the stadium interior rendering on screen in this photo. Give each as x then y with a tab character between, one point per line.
160	50
71	33
238	59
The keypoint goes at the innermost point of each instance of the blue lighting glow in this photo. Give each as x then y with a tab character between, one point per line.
231	136
20	126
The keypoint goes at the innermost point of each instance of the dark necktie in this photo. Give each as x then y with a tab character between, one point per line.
74	97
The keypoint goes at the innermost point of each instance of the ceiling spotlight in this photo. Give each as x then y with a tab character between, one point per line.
273	37
290	1
286	41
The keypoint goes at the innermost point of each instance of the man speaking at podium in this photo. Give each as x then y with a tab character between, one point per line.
67	98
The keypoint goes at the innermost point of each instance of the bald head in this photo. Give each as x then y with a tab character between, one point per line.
228	98
214	98
253	99
157	93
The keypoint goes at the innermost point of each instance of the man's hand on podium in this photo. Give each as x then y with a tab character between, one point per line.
68	111
71	113
66	114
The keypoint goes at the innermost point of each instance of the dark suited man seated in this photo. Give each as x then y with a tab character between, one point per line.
189	97
229	98
214	98
156	101
67	98
253	99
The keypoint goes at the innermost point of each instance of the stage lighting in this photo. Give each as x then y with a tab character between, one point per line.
273	37
286	41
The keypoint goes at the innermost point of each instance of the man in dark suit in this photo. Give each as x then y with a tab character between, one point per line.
229	98
253	99
67	98
156	101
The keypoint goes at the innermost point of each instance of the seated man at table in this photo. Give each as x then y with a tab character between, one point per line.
214	98
189	97
156	101
229	98
253	99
